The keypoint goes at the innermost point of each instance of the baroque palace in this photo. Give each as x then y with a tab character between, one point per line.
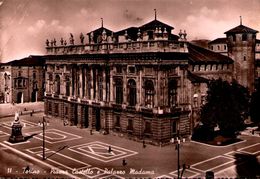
143	82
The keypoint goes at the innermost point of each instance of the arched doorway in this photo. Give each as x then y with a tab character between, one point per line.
19	97
96	112
86	120
34	96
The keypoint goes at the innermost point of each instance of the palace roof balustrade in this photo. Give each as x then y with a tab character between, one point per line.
122	47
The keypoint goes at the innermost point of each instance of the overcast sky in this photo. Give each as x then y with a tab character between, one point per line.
26	24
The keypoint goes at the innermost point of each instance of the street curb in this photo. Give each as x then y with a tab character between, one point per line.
37	160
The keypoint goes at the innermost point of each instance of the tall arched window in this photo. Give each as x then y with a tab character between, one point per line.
57	84
119	91
67	86
149	93
172	93
100	88
131	92
50	87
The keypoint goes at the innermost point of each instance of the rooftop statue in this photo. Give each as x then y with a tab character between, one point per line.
54	42
47	42
71	39
61	41
81	38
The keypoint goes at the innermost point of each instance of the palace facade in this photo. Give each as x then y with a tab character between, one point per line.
144	82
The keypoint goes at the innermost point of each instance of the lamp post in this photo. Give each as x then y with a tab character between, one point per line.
178	156
43	124
177	147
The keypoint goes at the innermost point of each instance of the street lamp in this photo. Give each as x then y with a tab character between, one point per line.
177	147
43	124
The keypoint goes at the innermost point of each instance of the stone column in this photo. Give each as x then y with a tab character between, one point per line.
138	90
90	117
70	79
97	88
104	84
124	89
80	116
92	84
80	81
111	85
141	95
157	88
86	81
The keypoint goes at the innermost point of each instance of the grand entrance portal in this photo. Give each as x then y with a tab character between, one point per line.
19	97
75	114
97	122
34	96
85	122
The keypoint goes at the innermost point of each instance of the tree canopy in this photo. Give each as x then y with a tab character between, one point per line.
226	106
254	106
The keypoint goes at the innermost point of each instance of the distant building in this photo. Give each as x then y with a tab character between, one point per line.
22	80
219	45
5	83
242	46
142	82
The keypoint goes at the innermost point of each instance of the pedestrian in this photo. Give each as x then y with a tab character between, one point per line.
144	144
26	169
109	149
124	162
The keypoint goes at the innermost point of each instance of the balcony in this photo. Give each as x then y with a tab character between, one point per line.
146	110
117	106
131	108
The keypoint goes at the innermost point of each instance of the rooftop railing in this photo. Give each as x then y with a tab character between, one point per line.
121	47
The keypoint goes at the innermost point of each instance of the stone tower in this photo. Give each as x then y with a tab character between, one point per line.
241	42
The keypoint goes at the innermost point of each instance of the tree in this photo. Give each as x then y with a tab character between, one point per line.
254	106
226	107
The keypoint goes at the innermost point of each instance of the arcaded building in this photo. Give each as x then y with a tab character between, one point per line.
143	82
22	80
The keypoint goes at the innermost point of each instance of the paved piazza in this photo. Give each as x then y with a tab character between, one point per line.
100	151
53	136
3	134
219	164
76	153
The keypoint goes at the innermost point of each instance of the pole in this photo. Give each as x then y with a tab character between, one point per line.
43	138
178	160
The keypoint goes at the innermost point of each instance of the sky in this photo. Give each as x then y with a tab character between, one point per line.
26	24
